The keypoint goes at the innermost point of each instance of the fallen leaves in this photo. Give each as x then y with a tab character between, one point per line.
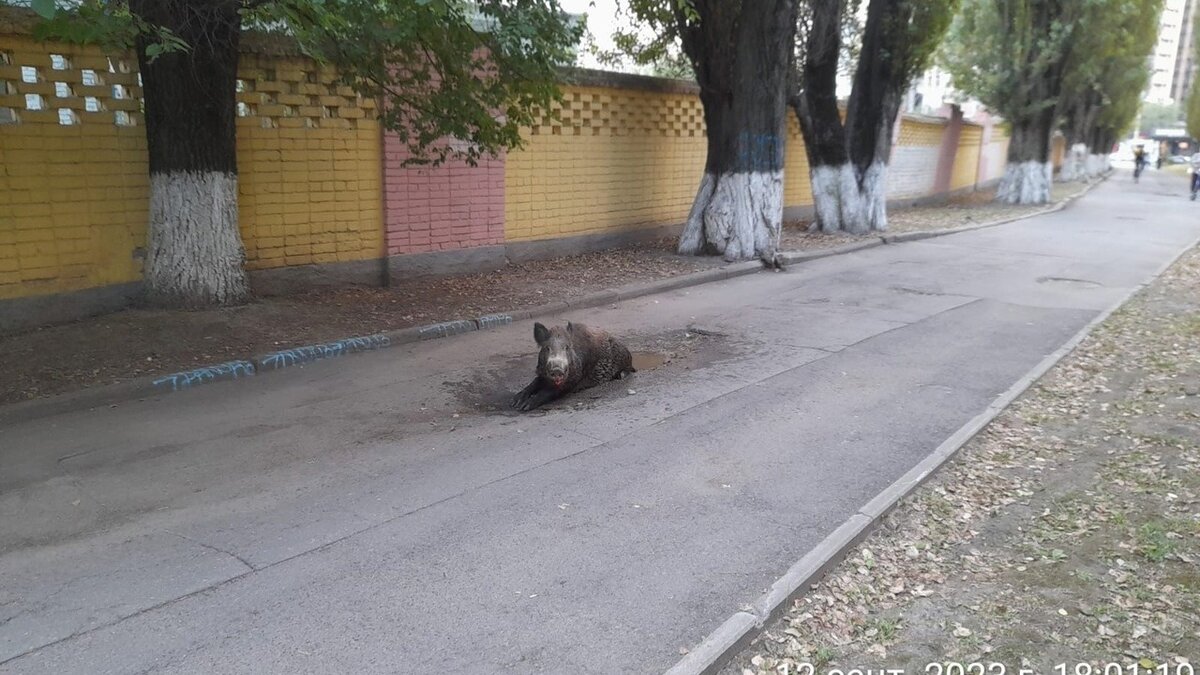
1060	528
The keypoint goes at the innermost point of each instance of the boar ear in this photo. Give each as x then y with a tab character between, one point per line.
570	327
540	333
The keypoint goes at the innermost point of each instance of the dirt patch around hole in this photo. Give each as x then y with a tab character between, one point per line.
489	389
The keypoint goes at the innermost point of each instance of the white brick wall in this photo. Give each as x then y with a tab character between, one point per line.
913	171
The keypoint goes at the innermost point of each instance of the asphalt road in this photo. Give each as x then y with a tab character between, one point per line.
372	514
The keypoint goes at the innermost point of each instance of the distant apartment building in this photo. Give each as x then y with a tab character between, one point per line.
1185	60
1172	61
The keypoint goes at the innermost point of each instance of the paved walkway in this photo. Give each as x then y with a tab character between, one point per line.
369	514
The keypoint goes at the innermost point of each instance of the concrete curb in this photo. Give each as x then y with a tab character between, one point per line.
716	650
150	386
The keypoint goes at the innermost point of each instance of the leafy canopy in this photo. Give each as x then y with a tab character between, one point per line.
1193	102
1009	53
458	78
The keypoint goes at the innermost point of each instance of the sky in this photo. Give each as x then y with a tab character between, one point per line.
602	21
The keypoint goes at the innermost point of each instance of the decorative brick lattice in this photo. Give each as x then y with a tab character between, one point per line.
74	192
966	159
614	112
297	93
920	133
72	86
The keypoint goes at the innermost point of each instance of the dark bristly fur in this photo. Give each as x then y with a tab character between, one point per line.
572	359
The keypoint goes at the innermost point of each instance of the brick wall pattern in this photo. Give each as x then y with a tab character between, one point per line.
320	182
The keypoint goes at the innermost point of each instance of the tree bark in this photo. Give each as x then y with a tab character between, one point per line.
848	162
195	255
1100	143
1027	177
738	210
829	170
1081	119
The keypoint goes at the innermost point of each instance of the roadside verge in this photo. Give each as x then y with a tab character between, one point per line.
256	365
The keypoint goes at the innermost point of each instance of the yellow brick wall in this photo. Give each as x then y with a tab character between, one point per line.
310	188
615	158
1058	151
913	132
620	159
73	197
797	189
966	159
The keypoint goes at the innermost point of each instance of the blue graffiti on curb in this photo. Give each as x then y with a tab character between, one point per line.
440	330
493	321
291	357
222	371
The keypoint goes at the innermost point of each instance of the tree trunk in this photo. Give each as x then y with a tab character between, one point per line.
1074	166
848	163
1027	177
195	255
738	210
1079	128
1101	146
829	171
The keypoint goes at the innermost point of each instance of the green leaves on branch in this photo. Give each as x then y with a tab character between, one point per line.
456	78
102	22
1084	58
1193	102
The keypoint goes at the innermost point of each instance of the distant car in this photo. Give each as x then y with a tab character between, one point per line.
1177	159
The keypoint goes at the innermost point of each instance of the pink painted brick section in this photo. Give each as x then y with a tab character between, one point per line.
438	209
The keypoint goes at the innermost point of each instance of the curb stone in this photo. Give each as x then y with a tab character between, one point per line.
156	385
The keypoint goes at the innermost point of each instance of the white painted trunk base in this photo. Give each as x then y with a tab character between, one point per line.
827	186
1074	164
842	206
195	255
739	215
1025	183
1097	165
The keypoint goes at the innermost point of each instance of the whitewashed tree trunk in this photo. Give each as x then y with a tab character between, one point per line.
1025	183
868	205
195	255
737	215
691	241
842	204
1074	166
828	183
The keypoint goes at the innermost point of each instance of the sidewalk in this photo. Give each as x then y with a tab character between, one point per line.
1068	532
127	345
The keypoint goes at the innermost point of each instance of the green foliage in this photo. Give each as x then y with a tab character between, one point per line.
1085	58
1193	112
914	30
1158	116
651	37
457	78
108	24
473	72
1193	102
1009	54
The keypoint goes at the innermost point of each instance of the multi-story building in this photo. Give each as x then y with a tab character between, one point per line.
1171	59
1185	59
